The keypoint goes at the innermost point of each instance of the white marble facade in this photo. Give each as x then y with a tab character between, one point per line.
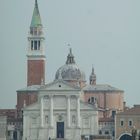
59	113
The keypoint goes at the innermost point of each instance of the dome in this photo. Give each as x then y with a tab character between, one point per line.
70	71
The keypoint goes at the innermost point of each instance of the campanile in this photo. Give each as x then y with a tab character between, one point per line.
36	50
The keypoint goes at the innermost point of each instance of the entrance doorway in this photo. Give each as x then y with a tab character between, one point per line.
60	129
15	135
125	137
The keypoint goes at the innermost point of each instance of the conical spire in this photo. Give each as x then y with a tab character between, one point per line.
70	58
36	19
36	4
92	77
92	71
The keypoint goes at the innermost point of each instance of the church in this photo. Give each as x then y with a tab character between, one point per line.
68	107
60	111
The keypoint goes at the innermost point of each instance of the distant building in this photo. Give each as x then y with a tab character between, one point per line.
67	107
3	127
109	99
10	128
107	127
126	122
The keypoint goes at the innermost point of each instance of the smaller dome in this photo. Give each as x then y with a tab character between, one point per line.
70	71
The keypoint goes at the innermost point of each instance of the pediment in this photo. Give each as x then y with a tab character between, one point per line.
60	85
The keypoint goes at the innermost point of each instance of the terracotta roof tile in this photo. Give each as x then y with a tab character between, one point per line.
132	111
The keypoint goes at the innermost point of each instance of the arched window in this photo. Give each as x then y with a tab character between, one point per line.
92	100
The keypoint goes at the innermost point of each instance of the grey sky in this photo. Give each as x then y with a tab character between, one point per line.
105	33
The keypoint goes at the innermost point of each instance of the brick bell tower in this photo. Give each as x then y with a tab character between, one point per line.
36	50
36	60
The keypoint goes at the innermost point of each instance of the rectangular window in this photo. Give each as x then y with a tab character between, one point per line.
8	133
130	123
35	45
86	137
122	123
113	114
106	132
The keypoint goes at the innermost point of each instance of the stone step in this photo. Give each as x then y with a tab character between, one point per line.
59	139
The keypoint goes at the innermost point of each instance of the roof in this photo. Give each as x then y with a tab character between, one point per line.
132	111
101	87
41	87
36	19
8	112
59	81
30	88
106	119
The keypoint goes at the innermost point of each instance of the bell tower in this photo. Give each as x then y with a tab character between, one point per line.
36	50
92	78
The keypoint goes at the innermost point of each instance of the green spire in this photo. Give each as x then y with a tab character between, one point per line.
36	20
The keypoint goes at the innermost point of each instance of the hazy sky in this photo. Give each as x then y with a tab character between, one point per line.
105	33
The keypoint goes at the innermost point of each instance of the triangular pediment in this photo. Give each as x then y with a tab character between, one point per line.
59	85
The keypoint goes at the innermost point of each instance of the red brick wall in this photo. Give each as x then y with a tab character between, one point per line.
36	72
10	113
29	98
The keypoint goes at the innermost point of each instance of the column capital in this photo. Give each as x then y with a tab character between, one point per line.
77	96
68	96
42	97
51	96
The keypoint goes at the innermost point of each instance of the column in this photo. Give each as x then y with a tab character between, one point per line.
51	111
42	112
68	111
78	112
92	121
25	126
